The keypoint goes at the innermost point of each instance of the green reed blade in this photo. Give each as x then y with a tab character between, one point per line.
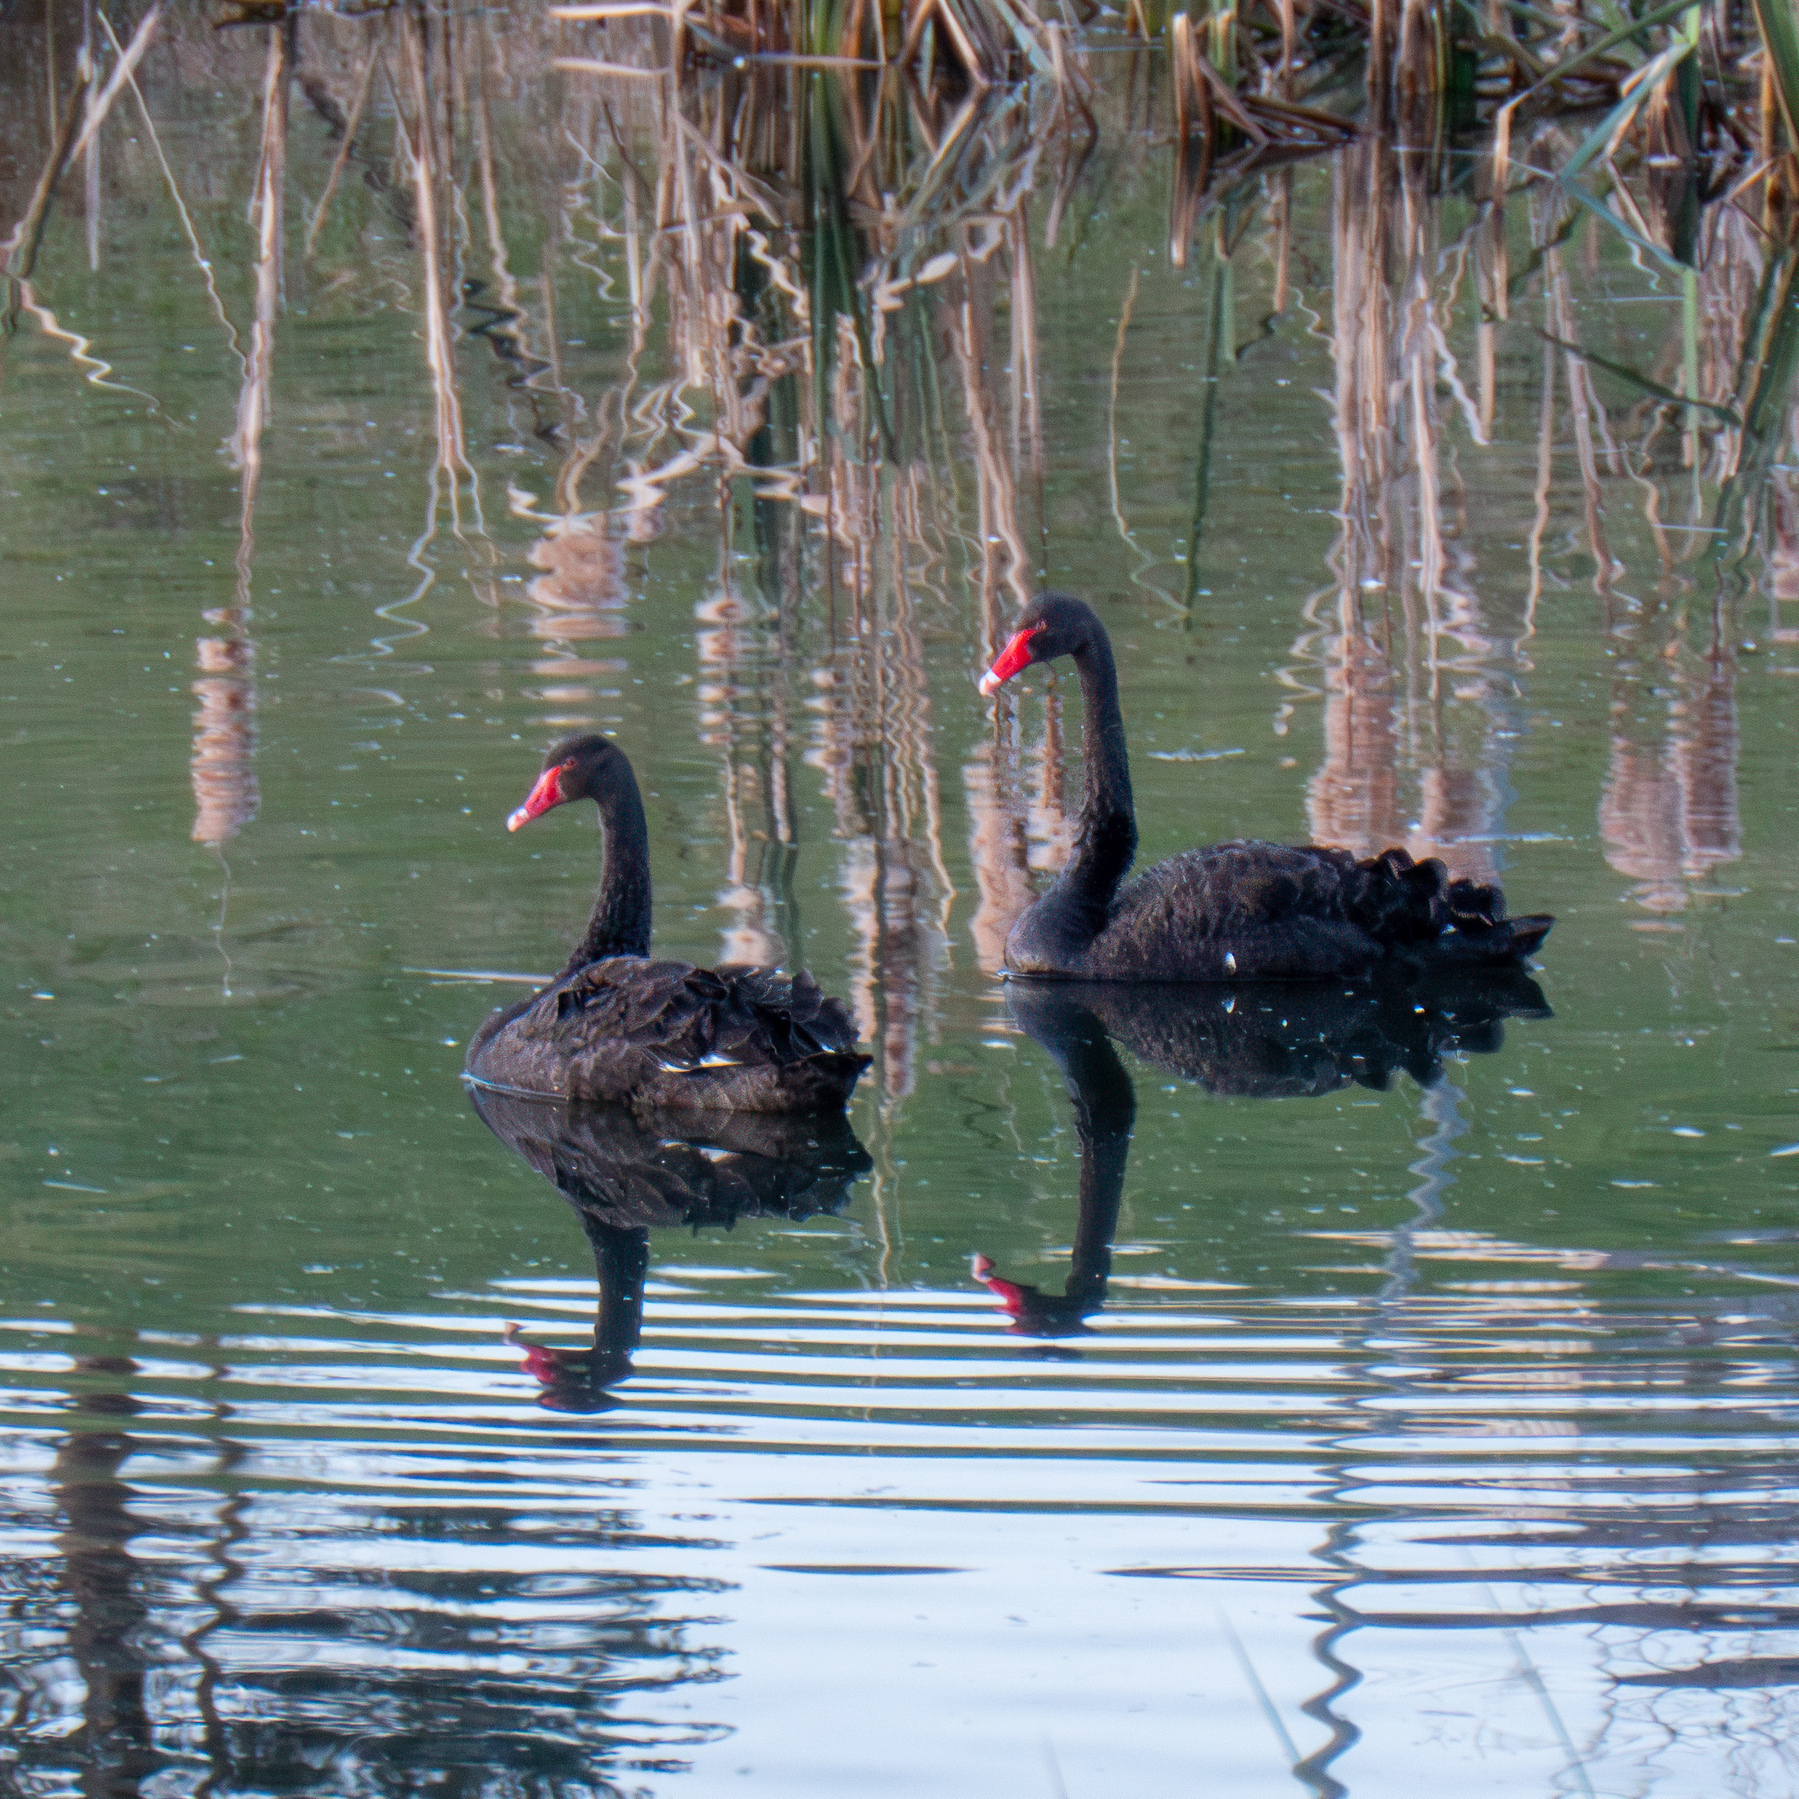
1612	125
1766	419
1780	33
1627	231
1635	377
1611	41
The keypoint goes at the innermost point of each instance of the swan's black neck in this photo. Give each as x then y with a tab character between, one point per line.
620	924
1106	832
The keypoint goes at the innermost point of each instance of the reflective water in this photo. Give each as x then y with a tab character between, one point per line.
1365	1438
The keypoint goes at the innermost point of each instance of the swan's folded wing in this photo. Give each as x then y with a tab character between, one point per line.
1220	890
638	1003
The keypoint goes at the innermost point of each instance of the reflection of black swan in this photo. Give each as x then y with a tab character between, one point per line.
1105	1108
1262	1040
627	1172
1242	911
618	1027
1287	1039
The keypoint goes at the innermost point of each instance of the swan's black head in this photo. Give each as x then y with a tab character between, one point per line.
1054	624
578	768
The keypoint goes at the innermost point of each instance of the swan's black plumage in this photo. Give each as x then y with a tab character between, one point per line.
1235	911
618	1026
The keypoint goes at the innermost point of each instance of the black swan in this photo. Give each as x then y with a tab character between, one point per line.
618	1027
1236	911
626	1172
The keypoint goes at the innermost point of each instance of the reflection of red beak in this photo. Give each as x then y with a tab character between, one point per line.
547	793
543	1363
1009	1293
1016	655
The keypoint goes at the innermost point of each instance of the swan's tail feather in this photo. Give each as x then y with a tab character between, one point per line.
1472	905
1399	902
1508	940
1415	905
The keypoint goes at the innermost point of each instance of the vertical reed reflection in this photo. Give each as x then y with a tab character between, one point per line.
1668	813
743	714
1418	687
871	740
578	601
107	1588
222	763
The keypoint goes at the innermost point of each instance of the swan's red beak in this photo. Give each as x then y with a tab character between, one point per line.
547	793
1016	655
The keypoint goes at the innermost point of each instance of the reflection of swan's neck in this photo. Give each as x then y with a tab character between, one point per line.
1106	834
620	924
1105	1108
621	1259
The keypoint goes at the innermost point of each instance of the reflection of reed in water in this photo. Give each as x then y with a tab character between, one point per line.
582	590
1668	810
1018	818
743	714
872	740
222	762
105	1584
1353	798
998	836
1415	691
578	599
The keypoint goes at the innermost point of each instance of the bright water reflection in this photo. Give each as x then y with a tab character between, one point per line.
1425	1434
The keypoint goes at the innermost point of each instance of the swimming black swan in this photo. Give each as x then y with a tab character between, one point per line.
619	1027
1235	911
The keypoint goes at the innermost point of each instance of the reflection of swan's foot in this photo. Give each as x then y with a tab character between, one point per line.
1034	1312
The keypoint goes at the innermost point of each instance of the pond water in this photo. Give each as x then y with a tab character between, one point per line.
1426	1434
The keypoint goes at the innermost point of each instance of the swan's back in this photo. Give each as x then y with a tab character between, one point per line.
1270	911
642	1032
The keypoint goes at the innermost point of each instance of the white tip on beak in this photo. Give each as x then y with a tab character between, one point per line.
520	817
990	685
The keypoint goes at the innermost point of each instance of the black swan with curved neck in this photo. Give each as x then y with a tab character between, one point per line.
1236	911
617	1026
